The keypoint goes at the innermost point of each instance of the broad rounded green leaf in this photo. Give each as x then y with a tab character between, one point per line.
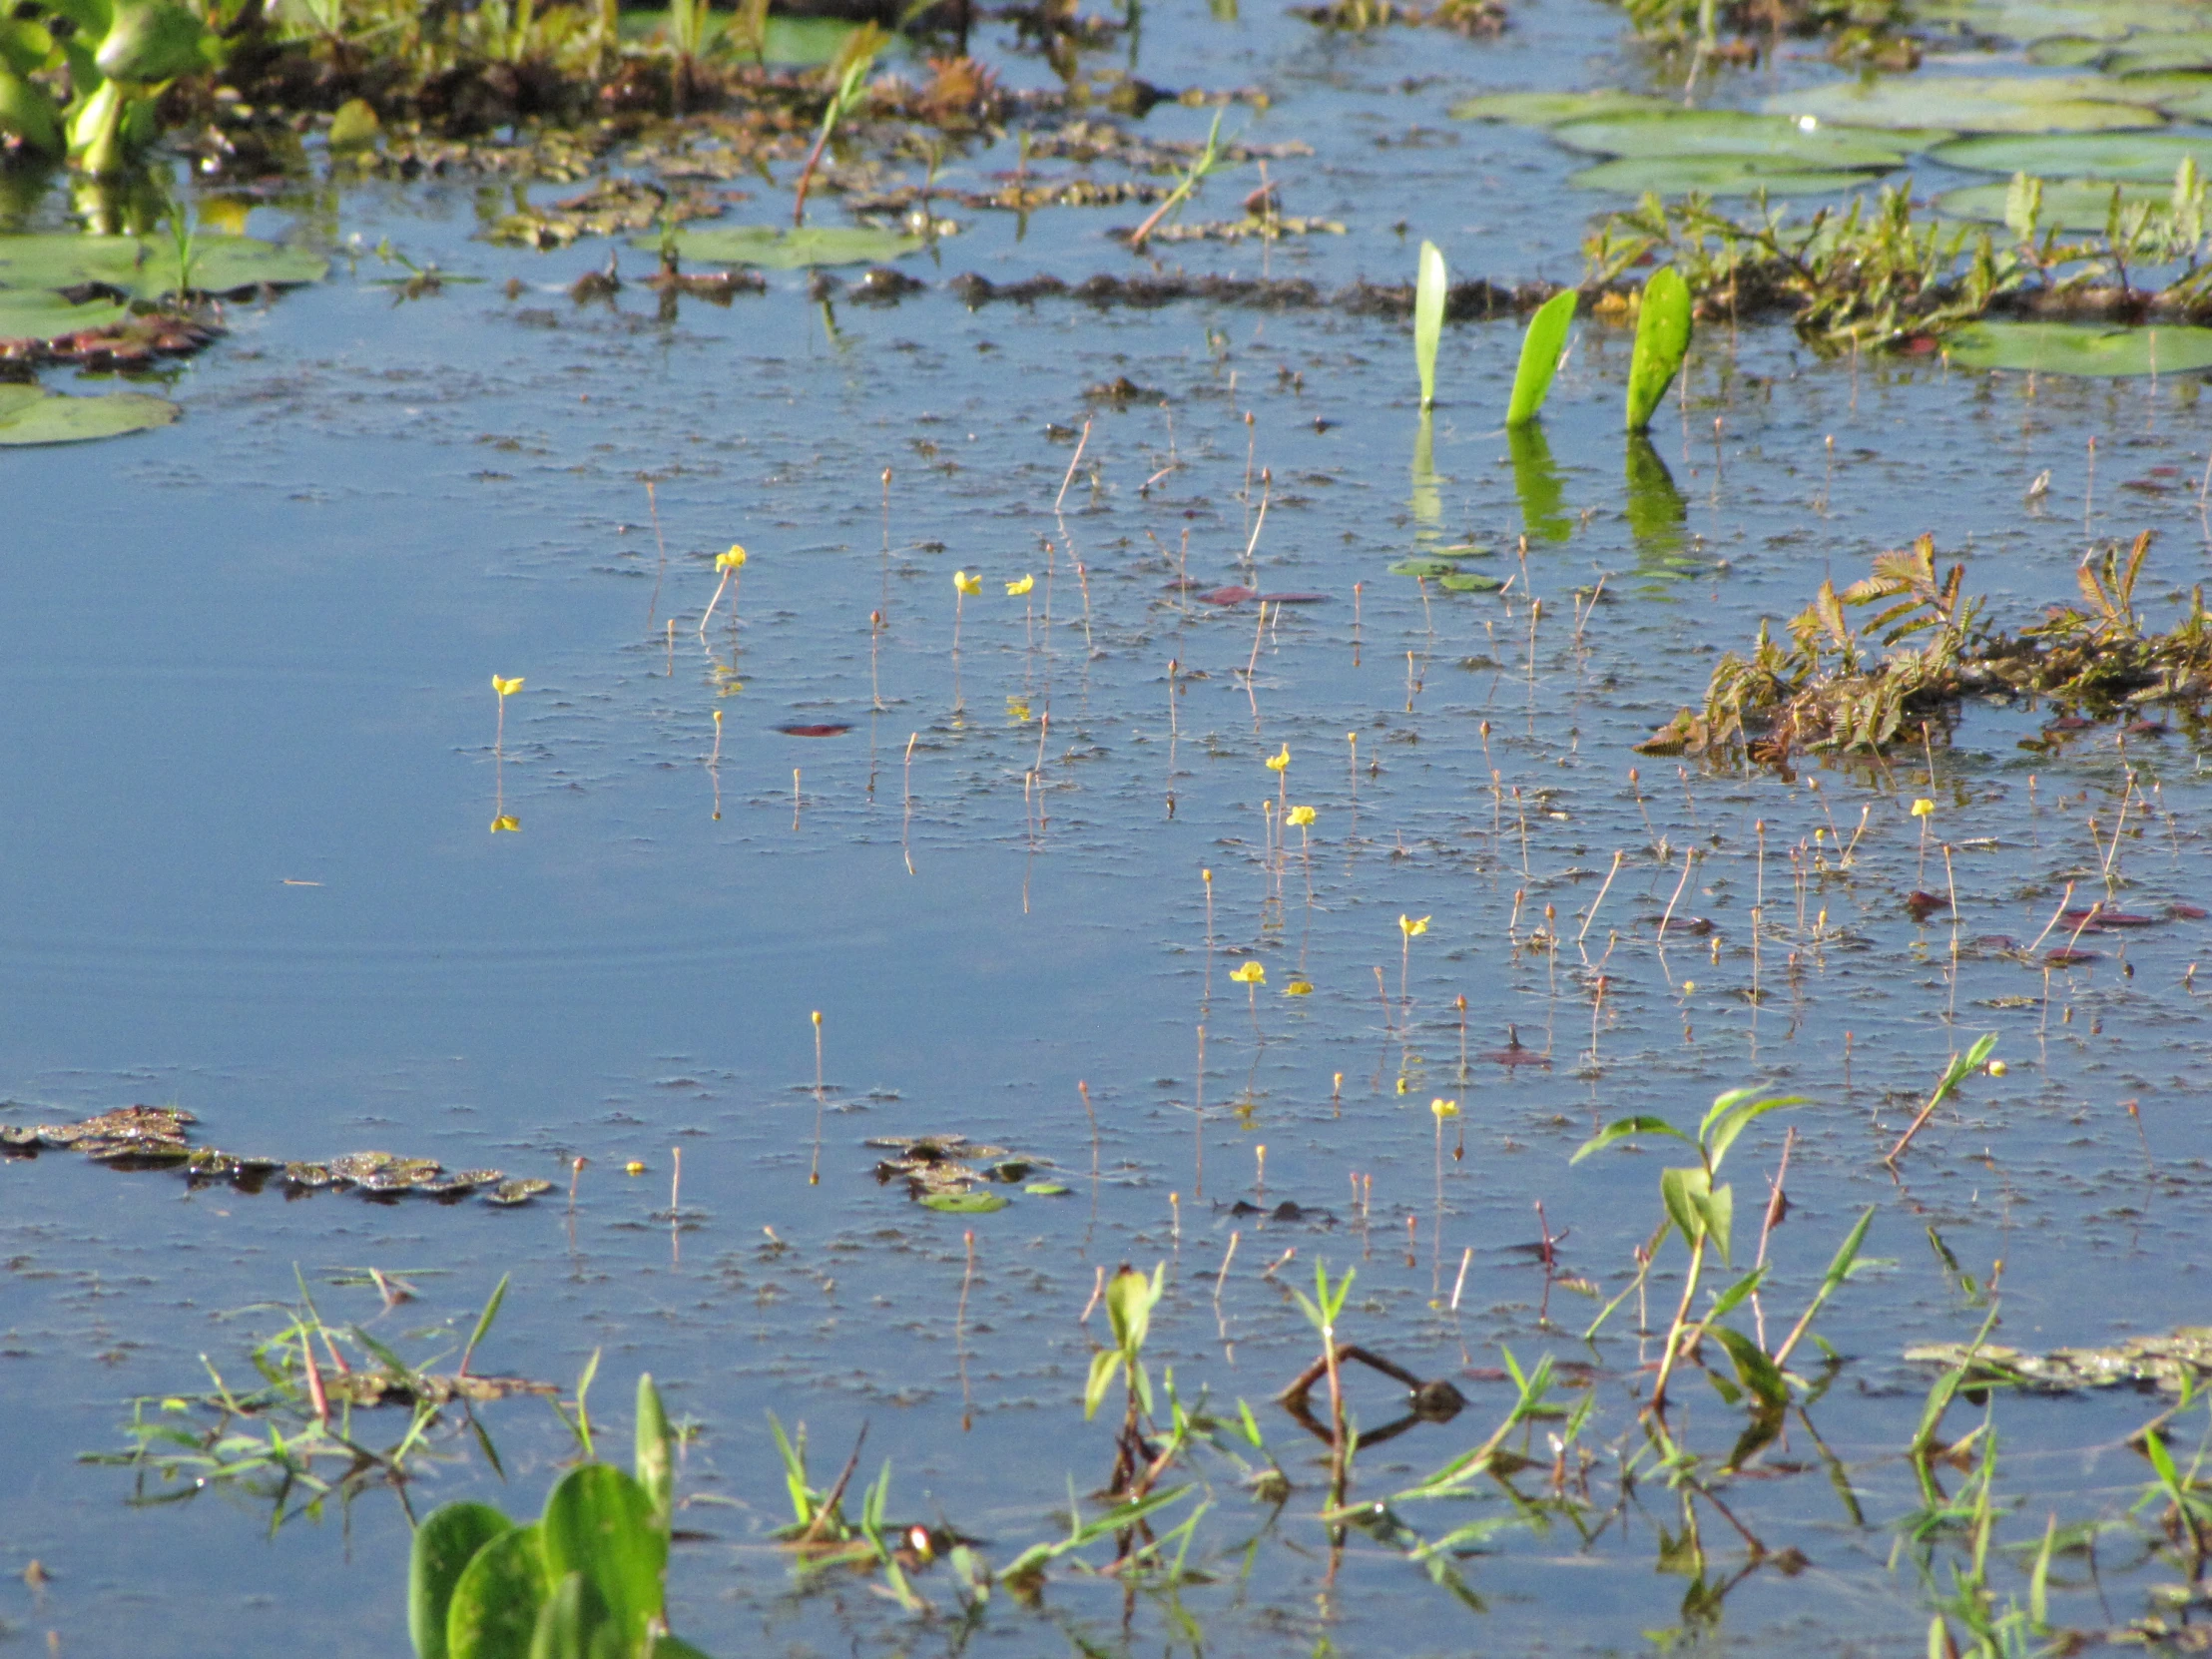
2081	348
1045	1189
2147	158
600	1522
1662	342
2184	96
2150	53
1424	567
2075	205
1972	104
1548	109
1469	581
1775	139
494	1608
52	417
25	46
575	1623
965	1204
28	112
146	268
1542	344
37	314
2027	20
445	1544
781	248
1713	176
153	40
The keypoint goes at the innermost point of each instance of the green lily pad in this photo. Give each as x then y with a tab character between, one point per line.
963	1204
2039	19
1549	109
1469	581
1773	138
1712	175
2072	205
2185	96
2190	49
1974	104
2068	51
31	415
2148	158
146	268
36	316
774	249
1431	568
1045	1189
791	42
2081	348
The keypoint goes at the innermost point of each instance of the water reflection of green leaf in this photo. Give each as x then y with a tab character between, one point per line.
1536	483
1657	513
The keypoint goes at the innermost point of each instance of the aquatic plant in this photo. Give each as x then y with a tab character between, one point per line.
1543	343
1429	319
847	73
120	57
1662	342
1203	165
730	564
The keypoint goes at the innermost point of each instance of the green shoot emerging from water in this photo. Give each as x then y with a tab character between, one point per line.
1662	342
1428	319
1541	349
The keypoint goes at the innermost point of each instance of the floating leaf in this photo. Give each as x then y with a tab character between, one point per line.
31	415
494	1607
1045	1189
2189	49
774	249
2077	205
2145	158
1424	567
1775	139
1541	346
600	1522
1469	581
1549	109
146	271
1974	104
1662	342
1712	175
445	1544
2081	348
963	1204
33	314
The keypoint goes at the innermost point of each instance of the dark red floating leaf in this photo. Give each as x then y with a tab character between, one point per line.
1518	1057
1229	595
823	728
1925	905
1295	598
1687	924
2187	913
2147	729
2069	723
2068	958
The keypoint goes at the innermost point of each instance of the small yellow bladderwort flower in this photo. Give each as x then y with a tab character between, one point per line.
1250	973
1444	1108
1298	987
1276	762
1301	816
962	582
1016	589
731	560
1412	928
506	688
1923	806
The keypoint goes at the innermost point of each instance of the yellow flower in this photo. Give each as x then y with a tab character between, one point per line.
505	821
1301	816
1251	974
731	560
962	582
1689	985
1997	1068
634	1167
1444	1108
1017	588
1411	928
1276	762
1922	807
1298	987
506	688
1018	711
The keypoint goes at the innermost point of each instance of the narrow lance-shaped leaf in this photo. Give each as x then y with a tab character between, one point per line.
1620	1129
1542	348
1429	319
1662	341
655	1466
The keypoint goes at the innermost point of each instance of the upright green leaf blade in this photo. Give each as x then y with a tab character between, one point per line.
654	1465
445	1544
1542	344
600	1522
1429	319
494	1608
1662	341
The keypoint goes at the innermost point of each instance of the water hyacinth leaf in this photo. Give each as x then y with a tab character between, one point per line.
654	1465
1776	139
28	112
51	417
445	1544
2143	158
574	1623
600	1522
153	40
1713	176
36	316
965	1204
1542	346
494	1607
778	247
1975	103
1428	317
1662	342
2082	206
2083	349
1550	109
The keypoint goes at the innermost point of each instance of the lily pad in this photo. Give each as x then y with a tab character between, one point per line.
2149	158
2078	205
2039	19
30	414
1549	109
1470	581
965	1204
2189	49
36	316
1713	176
2184	96
774	249
147	269
1975	103
1775	139
1431	567
2081	348
1045	1189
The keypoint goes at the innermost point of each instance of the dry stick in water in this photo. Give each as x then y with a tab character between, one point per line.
1084	1089
1251	667
1467	1256
906	824
652	506
813	1176
959	1334
794	797
1198	1122
1591	914
2064	900
1222	1277
1688	854
1074	461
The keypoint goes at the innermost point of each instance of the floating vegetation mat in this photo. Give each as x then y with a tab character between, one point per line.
953	1174
2174	1364
155	1137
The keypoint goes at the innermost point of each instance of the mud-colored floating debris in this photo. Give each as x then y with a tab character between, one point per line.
2187	913
151	1123
1925	905
1122	391
816	729
1290	1209
312	1176
25	1139
2064	957
1295	598
517	1191
951	1168
383	1172
2163	1362
1686	924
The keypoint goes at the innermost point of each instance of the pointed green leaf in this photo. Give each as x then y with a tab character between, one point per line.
1739	1118
1620	1129
654	1465
445	1544
1754	1369
1103	1366
1429	319
1680	1190
1541	349
494	1607
1662	342
599	1522
1716	1207
1735	1296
